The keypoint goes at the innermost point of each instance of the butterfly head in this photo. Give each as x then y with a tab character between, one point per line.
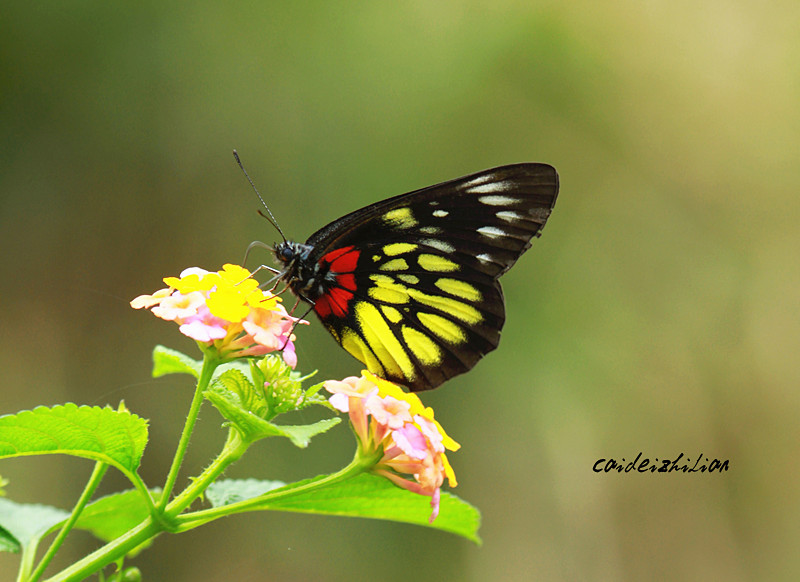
298	271
290	253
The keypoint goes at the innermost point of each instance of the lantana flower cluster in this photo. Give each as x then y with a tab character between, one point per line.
227	310
386	419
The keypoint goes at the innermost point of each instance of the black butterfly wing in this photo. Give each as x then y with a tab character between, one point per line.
417	297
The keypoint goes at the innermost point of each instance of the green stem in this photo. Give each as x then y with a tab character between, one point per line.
109	553
91	486
27	560
358	465
210	363
141	487
233	450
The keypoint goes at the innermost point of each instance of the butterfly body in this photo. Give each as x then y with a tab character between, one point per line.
409	285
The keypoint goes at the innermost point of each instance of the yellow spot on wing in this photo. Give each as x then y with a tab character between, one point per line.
391	313
353	343
458	288
455	308
382	341
385	289
443	328
395	265
411	279
395	249
381	279
400	218
334	333
424	348
436	263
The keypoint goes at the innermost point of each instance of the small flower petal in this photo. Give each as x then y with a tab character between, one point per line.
411	441
150	300
389	411
179	307
202	332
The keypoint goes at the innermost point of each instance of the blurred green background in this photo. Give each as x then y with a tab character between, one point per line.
658	313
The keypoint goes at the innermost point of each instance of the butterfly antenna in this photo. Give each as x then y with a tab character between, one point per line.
270	218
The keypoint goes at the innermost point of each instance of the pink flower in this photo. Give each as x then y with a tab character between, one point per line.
389	411
225	310
386	419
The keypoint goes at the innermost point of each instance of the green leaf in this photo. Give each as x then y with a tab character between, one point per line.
254	428
168	361
239	390
229	491
8	543
301	434
28	522
101	434
111	516
312	392
372	496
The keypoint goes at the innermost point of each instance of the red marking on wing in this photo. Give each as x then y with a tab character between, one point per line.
348	281
333	302
336	301
333	255
342	260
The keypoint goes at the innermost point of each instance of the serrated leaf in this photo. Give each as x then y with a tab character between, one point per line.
372	496
229	491
240	391
301	434
101	434
253	427
27	522
242	365
169	361
113	515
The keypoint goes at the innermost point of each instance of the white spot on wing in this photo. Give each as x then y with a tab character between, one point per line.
489	188
477	181
440	213
497	200
491	231
508	215
430	229
484	258
438	244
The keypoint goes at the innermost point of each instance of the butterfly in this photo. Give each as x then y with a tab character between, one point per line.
409	285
